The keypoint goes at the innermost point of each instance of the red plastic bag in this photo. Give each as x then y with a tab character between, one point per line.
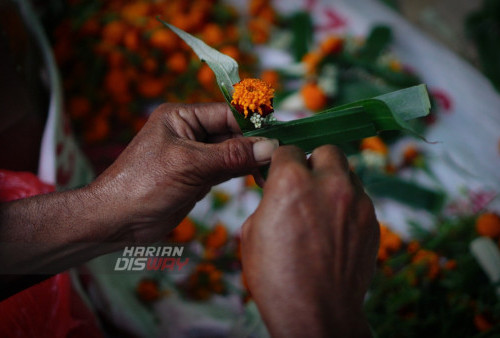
15	185
51	308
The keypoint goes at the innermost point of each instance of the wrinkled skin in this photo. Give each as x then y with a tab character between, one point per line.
181	152
309	249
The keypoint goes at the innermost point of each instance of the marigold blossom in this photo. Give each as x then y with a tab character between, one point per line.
253	96
488	224
375	144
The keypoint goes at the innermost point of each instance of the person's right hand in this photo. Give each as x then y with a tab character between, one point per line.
309	249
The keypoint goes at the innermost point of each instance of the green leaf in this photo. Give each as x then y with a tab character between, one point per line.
224	67
380	37
352	121
302	32
393	187
402	79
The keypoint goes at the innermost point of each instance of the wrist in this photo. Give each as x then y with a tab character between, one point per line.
108	216
321	316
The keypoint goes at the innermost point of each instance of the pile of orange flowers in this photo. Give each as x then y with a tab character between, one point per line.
262	18
426	261
436	272
117	60
205	281
219	250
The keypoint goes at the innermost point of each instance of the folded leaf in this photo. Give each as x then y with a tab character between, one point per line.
352	121
224	67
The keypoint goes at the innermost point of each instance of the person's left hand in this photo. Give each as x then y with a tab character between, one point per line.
180	153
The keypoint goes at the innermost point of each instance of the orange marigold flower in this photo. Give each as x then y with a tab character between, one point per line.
253	96
213	34
116	82
482	323
255	6
311	61
184	232
429	258
413	247
220	198
147	290
313	96
488	224
250	182
231	51
410	153
152	24
186	21
177	63
272	77
150	65
268	13
116	59
232	33
113	32
163	39
205	280
390	242
450	264
375	144
259	30
206	76
150	87
390	168
395	65
332	45
131	40
136	11
216	238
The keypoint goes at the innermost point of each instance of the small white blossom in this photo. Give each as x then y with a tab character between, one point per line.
256	120
269	118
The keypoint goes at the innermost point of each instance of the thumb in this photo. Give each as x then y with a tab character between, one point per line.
238	156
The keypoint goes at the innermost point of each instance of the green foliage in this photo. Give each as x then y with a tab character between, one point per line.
404	301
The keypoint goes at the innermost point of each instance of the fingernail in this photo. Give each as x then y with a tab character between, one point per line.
264	149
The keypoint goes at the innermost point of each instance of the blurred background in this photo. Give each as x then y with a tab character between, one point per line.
437	201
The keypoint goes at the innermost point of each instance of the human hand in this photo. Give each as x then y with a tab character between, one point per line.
309	249
180	153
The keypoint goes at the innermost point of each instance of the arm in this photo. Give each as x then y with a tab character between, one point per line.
309	249
171	164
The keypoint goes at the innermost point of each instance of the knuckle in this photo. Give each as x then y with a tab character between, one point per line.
235	154
337	185
326	149
293	174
